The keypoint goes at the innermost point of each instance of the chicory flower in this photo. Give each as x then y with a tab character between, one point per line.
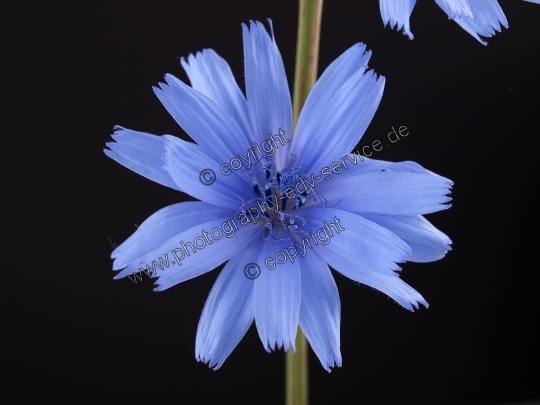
277	210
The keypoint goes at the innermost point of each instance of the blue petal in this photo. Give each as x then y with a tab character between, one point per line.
352	61
409	166
332	127
396	13
163	225
456	8
277	298
187	163
487	18
533	1
267	91
394	287
205	122
387	192
228	311
140	152
427	242
214	255
361	265
211	75
354	164
320	310
369	246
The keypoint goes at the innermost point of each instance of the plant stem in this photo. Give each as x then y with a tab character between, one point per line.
307	52
296	372
307	58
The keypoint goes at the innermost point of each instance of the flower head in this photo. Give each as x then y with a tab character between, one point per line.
477	17
278	210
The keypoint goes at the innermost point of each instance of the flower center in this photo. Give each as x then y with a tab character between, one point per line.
279	196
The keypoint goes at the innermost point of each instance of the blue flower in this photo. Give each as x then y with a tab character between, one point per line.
277	227
477	17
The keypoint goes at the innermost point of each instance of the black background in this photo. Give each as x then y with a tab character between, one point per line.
72	70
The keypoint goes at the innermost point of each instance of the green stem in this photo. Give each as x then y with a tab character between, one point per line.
305	75
307	52
296	372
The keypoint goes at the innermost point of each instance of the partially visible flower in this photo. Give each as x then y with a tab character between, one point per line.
477	17
533	1
373	207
